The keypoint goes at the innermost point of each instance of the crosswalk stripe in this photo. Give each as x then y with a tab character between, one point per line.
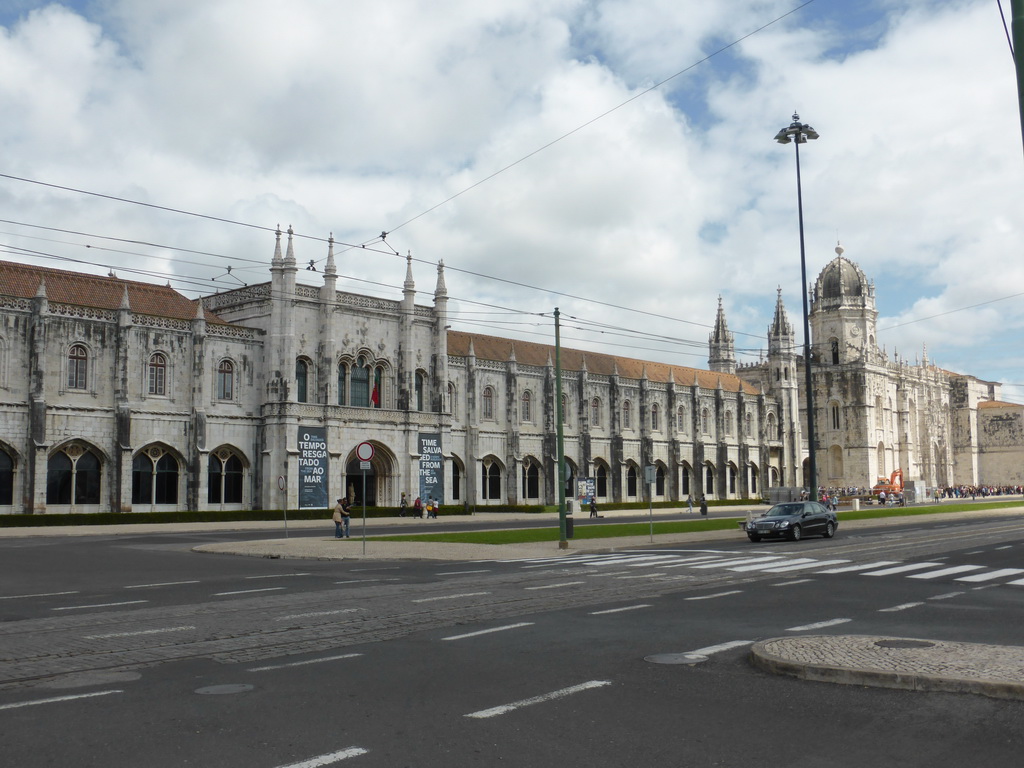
946	571
740	561
803	566
766	566
902	568
861	567
977	577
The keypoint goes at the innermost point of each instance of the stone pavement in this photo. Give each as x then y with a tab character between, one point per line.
895	662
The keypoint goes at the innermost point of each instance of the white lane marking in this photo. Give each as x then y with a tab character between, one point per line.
246	591
459	573
803	566
558	586
56	699
620	610
945	571
316	613
1017	583
1007	546
717	594
652	561
304	663
686	562
946	596
791	583
41	594
765	566
488	631
643	576
998	574
606	574
98	605
333	757
974	552
278	576
740	561
900	607
358	581
901	569
453	597
505	708
861	567
818	625
161	584
140	632
713	649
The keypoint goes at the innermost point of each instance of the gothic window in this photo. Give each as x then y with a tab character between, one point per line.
491	484
659	482
778	374
771	428
732	479
655	426
834	412
377	393
709	480
419	390
565	409
456	481
878	410
453	405
526	411
681	419
602	481
225	380
834	344
224	479
686	479
627	415
531	481
487	404
748	422
158	374
342	383
302	381
6	479
728	422
73	477
595	412
78	365
631	481
359	393
154	478
753	479
705	422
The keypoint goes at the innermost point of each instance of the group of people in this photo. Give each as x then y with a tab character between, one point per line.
419	508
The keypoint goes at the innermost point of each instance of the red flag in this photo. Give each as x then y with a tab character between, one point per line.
375	397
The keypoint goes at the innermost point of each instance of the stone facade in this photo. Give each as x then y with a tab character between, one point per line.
124	396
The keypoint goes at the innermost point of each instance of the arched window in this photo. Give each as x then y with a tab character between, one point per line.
342	383
419	390
655	426
78	367
453	403
526	410
733	473
681	419
704	422
748	424
834	413
491	484
753	478
602	481
627	415
728	422
686	479
377	394
154	478
158	374
73	476
595	413
6	479
487	404
834	344
360	385
302	381
659	482
631	481
771	428
224	480
456	480
225	380
709	480
531	480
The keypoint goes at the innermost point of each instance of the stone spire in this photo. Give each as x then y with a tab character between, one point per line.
330	268
289	257
277	260
410	284
440	289
721	352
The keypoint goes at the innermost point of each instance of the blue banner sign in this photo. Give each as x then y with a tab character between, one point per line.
313	466
431	467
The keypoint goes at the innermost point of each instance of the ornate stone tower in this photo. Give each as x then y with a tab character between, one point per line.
721	350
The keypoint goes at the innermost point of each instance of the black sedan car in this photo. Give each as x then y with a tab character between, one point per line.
793	520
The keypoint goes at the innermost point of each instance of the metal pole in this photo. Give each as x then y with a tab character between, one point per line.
563	542
1017	33
812	480
364	511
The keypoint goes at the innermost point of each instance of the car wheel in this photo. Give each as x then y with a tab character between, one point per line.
795	533
830	530
753	537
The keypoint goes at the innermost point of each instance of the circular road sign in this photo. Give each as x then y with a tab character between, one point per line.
364	451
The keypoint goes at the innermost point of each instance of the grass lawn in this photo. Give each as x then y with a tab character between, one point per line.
582	530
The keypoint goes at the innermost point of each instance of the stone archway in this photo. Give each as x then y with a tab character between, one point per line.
380	481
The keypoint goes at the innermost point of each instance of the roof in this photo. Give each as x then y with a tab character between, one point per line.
530	353
997	404
64	287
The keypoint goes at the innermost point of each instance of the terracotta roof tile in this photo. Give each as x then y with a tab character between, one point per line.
997	404
531	353
64	287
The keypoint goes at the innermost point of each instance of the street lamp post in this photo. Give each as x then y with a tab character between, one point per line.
798	133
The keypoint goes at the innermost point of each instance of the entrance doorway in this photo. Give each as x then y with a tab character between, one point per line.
354	484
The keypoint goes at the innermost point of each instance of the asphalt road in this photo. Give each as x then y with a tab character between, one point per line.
189	660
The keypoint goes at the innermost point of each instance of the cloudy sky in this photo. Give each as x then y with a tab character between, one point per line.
613	158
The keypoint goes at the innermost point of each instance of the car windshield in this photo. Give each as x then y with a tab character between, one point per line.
783	510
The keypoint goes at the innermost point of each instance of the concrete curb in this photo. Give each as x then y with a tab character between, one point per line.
995	671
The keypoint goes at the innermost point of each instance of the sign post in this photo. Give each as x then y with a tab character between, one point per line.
282	485
364	452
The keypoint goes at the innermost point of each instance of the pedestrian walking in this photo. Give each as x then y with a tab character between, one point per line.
432	507
417	507
402	506
342	513
593	507
689	504
703	506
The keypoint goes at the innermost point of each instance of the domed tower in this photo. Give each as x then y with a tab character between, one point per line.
842	314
